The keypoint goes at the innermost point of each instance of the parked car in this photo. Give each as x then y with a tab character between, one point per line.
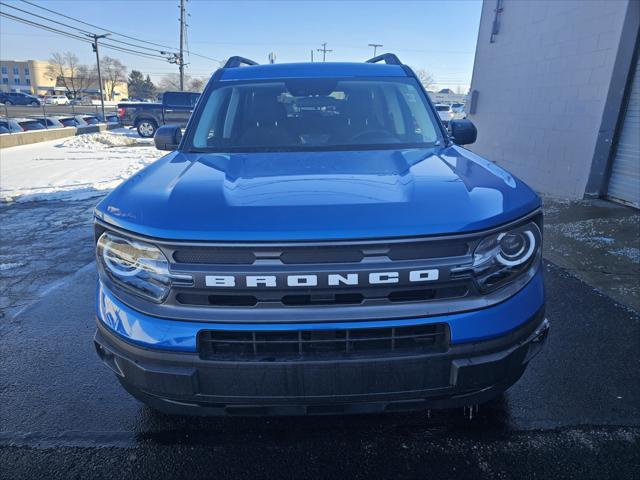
68	120
347	257
90	119
10	126
28	124
175	109
109	118
458	111
56	100
18	98
49	121
445	113
81	101
84	119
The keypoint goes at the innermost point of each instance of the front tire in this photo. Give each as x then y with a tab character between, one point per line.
34	104
8	103
146	128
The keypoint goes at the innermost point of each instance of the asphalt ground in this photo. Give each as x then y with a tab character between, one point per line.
574	414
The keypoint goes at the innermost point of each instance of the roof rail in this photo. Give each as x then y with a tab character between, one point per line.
389	58
237	61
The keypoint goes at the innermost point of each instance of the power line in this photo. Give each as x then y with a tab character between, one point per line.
96	26
324	51
44	27
116	33
80	38
86	32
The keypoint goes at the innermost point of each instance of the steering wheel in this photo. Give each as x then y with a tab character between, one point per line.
372	133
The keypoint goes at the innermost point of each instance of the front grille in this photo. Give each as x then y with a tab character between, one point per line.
325	297
319	258
322	254
321	344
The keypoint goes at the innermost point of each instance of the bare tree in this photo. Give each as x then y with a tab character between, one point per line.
196	85
113	73
68	72
171	82
426	79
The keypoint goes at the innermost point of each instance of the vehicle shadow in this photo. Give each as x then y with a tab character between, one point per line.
489	419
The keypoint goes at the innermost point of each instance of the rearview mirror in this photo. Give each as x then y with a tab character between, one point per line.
463	132
168	137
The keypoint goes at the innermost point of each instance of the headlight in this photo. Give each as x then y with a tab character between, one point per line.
136	266
501	257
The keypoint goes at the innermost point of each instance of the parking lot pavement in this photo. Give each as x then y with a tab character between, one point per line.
597	241
41	244
574	414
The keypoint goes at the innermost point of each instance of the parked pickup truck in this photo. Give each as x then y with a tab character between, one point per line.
175	109
317	242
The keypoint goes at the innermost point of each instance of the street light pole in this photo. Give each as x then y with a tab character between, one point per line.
375	47
95	49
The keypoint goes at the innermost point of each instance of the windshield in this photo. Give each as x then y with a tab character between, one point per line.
315	114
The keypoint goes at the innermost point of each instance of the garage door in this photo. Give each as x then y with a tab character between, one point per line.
624	183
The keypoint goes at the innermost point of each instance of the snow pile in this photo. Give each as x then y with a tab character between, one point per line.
81	167
96	140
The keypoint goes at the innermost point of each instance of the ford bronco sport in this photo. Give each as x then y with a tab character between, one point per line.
317	243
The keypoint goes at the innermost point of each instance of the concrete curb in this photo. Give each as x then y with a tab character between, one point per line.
37	136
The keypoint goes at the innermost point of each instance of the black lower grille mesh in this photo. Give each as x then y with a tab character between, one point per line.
319	344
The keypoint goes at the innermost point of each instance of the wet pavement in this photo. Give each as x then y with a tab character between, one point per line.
41	243
597	241
574	414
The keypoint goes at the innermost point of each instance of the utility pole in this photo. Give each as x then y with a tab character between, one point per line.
311	55
324	51
95	49
181	54
375	47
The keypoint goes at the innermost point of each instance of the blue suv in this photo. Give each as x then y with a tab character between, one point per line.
317	243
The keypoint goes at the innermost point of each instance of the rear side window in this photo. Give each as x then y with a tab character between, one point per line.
32	125
175	99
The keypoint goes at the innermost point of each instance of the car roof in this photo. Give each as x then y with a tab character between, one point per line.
312	70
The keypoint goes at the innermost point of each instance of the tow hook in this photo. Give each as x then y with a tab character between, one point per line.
469	410
541	333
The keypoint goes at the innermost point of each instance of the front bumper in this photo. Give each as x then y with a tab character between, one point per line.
182	383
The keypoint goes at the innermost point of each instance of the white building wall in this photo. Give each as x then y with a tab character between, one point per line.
542	87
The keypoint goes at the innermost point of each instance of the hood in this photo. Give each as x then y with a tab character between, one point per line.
317	195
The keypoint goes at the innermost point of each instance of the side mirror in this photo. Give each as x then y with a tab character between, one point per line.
463	132
168	137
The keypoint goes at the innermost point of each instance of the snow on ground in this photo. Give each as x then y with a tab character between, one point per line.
73	168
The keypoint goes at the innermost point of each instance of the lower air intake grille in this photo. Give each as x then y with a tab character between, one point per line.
321	344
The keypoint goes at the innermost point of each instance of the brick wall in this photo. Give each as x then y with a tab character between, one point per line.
542	87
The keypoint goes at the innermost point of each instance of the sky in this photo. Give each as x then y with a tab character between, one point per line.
437	36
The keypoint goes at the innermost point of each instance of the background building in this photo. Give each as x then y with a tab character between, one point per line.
555	95
30	76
